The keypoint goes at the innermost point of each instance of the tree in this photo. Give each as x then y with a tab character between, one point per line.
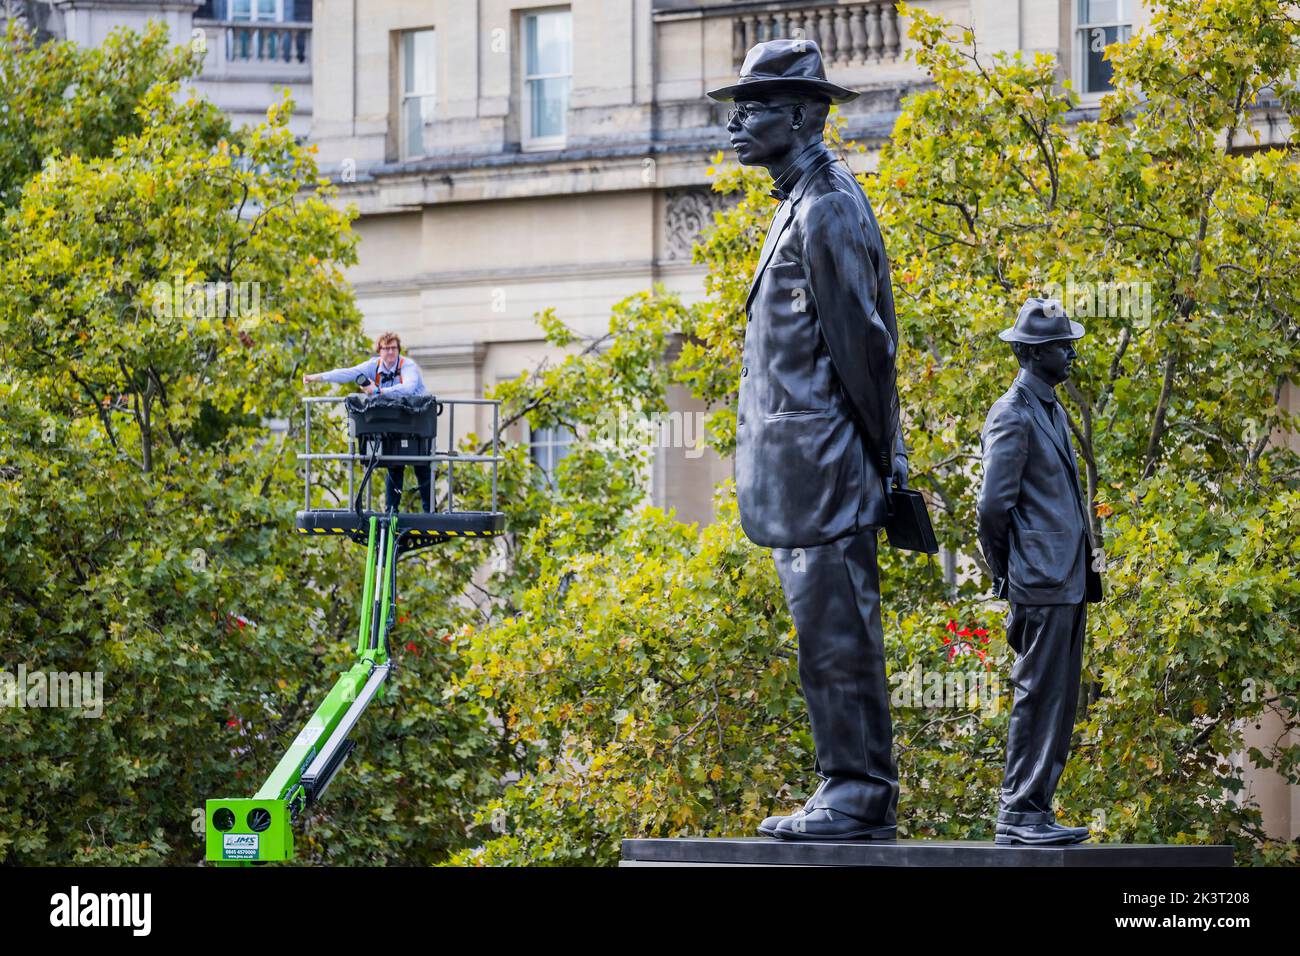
169	279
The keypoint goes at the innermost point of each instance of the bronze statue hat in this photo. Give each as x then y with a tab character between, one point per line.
1042	320
783	66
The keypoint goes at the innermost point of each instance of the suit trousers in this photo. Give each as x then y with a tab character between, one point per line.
1048	641
394	486
833	592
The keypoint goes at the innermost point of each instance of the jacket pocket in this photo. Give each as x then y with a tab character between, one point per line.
1040	559
800	414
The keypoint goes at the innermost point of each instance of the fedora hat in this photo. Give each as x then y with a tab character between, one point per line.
1042	320
783	65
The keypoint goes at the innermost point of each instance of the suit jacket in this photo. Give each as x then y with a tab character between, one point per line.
818	417
1033	526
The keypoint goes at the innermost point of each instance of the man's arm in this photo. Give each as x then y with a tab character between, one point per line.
842	278
345	376
1006	449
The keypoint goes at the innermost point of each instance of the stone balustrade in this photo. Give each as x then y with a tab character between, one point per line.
849	34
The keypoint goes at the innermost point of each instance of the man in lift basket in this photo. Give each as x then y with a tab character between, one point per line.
388	373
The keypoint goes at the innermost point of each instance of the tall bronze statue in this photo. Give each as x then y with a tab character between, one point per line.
817	434
1033	530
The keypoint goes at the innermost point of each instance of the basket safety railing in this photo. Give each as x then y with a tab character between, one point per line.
435	459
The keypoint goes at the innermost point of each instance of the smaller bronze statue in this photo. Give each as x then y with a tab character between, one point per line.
1033	530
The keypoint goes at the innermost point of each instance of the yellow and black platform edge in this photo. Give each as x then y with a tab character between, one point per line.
439	524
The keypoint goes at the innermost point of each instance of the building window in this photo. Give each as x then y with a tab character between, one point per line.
546	446
268	11
548	73
419	86
257	43
1101	23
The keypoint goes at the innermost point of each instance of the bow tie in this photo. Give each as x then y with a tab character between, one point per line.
796	172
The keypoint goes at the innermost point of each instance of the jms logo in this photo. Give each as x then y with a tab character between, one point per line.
239	846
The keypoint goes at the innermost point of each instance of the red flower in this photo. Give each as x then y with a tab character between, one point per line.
233	721
947	640
402	619
952	625
446	638
410	646
964	632
980	631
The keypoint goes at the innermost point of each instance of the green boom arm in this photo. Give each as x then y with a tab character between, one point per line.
260	829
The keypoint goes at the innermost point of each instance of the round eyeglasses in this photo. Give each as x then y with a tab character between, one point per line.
745	112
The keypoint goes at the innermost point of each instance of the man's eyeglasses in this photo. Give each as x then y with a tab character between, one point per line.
745	111
388	348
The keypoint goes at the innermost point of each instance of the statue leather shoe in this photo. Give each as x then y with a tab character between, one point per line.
768	826
1077	834
825	823
1039	834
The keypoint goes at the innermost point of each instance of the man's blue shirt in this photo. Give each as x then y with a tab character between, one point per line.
412	381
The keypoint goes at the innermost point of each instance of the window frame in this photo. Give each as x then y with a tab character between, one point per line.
1082	29
527	141
548	446
403	95
254	16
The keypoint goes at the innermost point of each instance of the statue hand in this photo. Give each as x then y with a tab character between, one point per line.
900	470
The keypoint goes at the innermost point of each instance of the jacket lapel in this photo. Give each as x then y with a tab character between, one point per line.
811	163
1063	433
1045	425
779	224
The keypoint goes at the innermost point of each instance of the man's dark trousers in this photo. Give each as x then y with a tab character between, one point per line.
394	486
835	603
1048	641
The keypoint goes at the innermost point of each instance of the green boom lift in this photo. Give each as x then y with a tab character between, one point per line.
259	829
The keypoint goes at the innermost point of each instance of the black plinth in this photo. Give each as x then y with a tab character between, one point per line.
761	851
